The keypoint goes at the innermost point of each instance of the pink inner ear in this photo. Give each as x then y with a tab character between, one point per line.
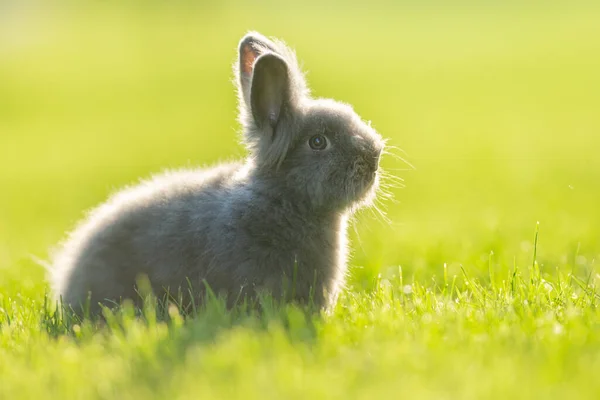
249	55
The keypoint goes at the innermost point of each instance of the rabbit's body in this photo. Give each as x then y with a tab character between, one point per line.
276	222
179	229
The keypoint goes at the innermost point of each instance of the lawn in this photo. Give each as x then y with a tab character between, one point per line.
479	282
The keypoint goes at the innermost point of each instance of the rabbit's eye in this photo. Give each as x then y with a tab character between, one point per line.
317	142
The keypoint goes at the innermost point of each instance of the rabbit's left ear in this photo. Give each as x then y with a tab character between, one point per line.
270	91
251	47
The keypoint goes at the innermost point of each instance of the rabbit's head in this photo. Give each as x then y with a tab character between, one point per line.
319	150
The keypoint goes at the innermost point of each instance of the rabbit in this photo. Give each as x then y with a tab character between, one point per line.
241	228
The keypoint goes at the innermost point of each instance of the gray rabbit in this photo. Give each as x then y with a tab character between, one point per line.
274	223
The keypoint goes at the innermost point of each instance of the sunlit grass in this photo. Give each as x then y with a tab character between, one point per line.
496	106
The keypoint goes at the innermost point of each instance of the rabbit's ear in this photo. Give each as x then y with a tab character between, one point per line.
270	91
251	47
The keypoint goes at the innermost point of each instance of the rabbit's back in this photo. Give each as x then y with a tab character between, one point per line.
159	228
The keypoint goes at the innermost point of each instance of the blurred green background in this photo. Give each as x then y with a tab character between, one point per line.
496	104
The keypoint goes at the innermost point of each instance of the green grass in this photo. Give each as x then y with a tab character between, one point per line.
460	295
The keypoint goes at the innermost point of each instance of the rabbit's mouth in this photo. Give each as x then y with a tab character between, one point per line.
371	186
365	187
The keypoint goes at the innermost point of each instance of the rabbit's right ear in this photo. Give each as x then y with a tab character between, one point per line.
251	47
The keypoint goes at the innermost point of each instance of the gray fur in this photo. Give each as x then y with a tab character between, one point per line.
242	227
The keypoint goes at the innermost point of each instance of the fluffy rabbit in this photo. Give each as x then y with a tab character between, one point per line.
277	218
